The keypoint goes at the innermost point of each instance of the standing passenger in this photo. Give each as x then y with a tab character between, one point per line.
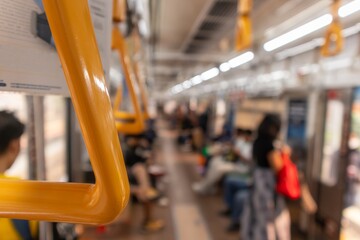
266	216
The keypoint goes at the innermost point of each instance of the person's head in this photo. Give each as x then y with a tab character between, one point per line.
248	134
270	127
11	130
240	133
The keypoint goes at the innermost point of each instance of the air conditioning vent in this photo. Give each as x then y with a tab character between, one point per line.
210	26
200	37
219	20
224	9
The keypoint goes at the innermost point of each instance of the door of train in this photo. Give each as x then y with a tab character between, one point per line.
350	223
333	161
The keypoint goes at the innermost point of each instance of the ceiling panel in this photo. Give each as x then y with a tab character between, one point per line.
176	19
191	30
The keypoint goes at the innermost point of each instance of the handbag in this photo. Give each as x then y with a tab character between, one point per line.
288	183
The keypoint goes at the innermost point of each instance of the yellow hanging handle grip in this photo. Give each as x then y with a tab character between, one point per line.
101	203
243	36
333	34
119	10
137	125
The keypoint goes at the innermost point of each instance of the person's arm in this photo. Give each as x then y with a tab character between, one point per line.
275	160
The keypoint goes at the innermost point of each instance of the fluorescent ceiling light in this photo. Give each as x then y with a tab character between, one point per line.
351	30
349	8
186	84
242	59
348	32
297	33
176	89
211	73
225	67
196	80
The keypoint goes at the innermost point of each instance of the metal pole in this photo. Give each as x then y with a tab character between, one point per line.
36	143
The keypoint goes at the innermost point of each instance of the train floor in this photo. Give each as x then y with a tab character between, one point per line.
187	215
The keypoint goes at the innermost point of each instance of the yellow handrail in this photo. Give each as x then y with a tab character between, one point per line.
137	124
243	26
333	34
101	203
118	97
140	80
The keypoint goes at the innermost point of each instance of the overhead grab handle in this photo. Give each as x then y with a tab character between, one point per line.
98	203
334	40
243	35
119	10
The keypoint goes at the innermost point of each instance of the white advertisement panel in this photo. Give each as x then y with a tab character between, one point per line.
28	60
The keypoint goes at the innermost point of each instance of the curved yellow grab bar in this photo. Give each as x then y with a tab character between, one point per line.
140	79
119	10
137	125
143	93
333	34
118	97
101	203
243	26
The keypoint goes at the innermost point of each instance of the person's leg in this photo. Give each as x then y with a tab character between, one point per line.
282	220
145	191
151	224
218	168
228	192
237	210
228	196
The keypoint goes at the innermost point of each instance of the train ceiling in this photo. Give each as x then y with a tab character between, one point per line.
190	36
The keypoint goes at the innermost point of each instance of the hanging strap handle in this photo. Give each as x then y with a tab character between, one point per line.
334	40
243	39
119	10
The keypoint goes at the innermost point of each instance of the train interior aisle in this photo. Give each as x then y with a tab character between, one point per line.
187	215
179	119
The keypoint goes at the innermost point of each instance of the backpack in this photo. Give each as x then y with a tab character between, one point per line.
288	183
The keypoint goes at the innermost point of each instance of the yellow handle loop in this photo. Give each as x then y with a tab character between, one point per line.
243	37
101	203
119	10
333	34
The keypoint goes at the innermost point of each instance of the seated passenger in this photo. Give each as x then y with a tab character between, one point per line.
135	157
236	191
221	165
11	130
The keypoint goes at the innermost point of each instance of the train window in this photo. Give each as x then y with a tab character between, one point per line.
16	103
55	137
296	131
332	141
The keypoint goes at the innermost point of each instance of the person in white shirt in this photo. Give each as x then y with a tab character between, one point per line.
241	155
